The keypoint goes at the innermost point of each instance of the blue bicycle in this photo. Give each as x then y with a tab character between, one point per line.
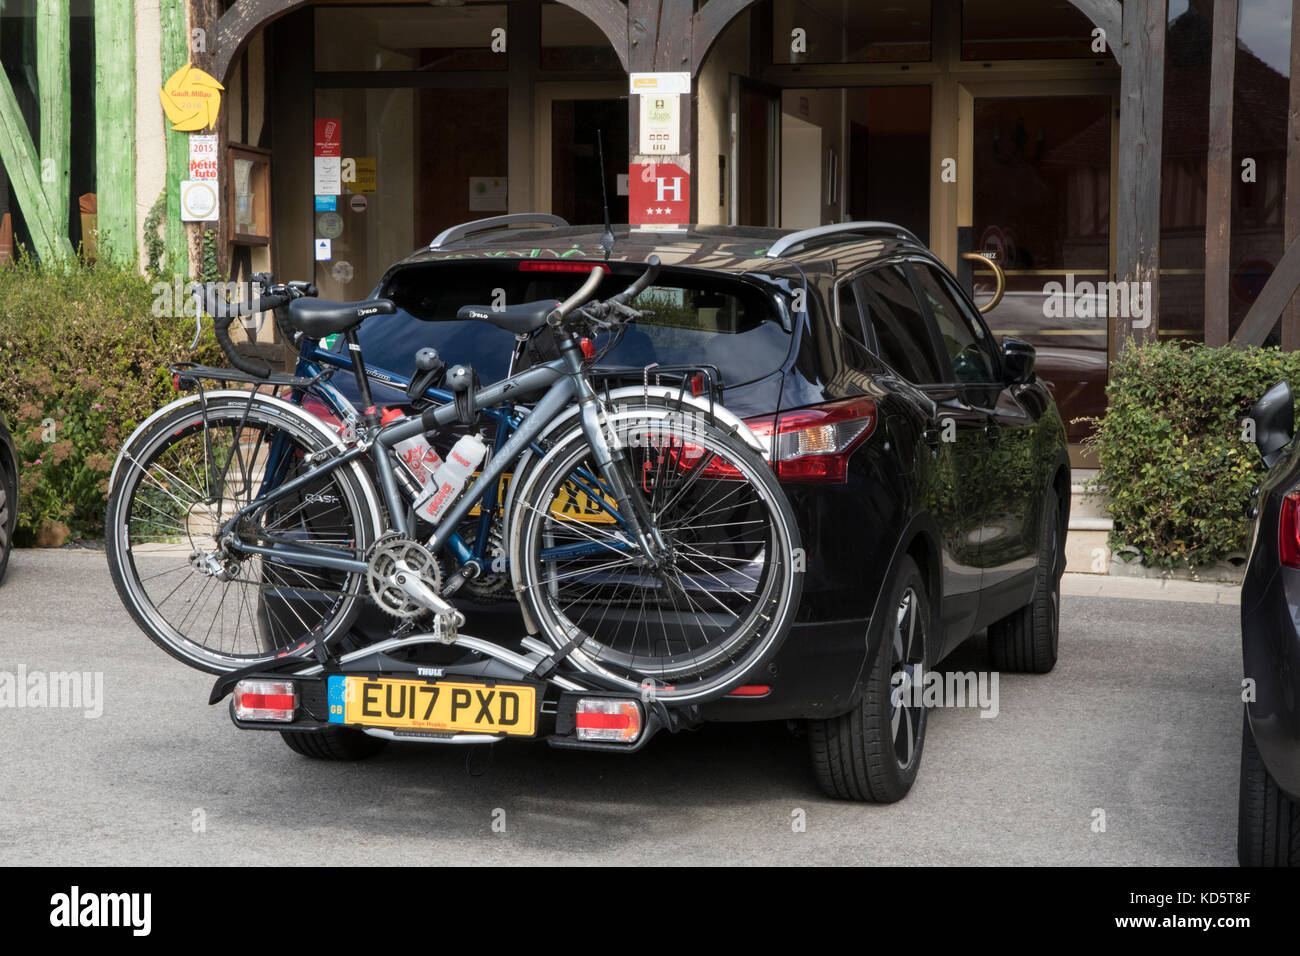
641	528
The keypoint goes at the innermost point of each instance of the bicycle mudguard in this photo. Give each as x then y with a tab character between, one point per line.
329	435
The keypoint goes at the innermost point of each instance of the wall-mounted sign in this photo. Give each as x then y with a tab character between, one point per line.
660	120
323	250
203	156
199	200
328	176
329	138
329	225
191	99
679	83
342	272
487	194
327	203
660	196
357	203
365	175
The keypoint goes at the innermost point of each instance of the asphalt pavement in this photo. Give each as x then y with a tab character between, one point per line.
1126	754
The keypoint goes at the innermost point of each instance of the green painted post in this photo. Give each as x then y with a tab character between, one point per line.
54	87
174	50
115	128
18	154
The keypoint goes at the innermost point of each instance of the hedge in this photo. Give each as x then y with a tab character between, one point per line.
1176	463
83	360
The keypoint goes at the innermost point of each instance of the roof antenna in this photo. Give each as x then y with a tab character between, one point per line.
607	239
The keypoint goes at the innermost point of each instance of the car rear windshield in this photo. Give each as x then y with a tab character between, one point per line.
698	319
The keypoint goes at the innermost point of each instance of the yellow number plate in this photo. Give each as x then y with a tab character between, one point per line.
570	504
445	707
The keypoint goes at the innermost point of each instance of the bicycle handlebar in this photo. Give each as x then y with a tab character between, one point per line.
615	304
645	280
273	300
578	298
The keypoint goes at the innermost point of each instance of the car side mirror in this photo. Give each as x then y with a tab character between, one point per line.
1274	418
1017	361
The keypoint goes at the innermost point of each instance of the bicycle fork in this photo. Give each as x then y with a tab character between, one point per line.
612	463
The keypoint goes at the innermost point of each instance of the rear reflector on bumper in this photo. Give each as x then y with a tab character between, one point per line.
609	720
751	690
266	700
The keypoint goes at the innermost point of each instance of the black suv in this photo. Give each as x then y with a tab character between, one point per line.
926	464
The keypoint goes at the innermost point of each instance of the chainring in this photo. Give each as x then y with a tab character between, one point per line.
382	561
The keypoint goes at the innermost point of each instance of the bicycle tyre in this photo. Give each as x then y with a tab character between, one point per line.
676	665
291	606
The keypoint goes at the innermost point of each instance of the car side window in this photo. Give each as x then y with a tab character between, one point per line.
963	338
892	313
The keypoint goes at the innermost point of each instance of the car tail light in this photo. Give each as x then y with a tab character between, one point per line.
814	444
1288	531
608	720
553	265
266	700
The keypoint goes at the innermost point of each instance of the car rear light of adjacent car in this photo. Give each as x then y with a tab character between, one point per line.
1288	531
814	444
311	403
266	700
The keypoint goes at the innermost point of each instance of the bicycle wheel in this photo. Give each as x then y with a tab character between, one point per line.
724	592
208	603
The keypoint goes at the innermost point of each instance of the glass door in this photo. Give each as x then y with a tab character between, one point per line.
1041	207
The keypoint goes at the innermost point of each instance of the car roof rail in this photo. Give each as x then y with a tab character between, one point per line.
454	233
846	230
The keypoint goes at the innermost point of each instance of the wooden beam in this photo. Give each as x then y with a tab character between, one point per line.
611	16
1107	14
238	24
1291	228
115	128
1142	84
708	24
54	86
173	49
205	15
1221	175
1277	292
18	154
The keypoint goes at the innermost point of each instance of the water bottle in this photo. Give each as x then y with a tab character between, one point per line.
417	456
450	477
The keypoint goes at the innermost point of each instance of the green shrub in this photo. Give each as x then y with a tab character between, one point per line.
83	360
1174	460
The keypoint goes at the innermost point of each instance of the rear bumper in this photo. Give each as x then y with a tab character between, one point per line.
814	675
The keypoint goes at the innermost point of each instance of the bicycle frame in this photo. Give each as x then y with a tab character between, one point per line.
562	382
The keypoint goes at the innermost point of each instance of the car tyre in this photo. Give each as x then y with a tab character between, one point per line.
333	743
872	753
1027	641
1268	821
8	513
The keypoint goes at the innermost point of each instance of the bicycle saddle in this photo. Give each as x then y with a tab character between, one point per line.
519	319
317	318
